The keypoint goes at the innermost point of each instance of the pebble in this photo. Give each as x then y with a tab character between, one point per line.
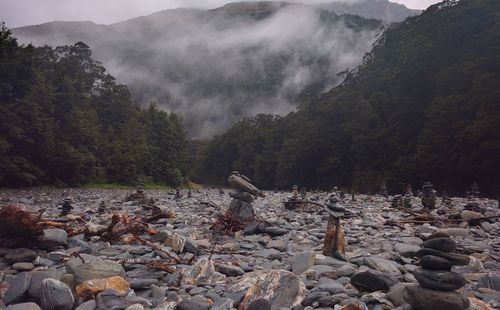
24	306
23	266
20	255
230	270
441	244
432	262
439	280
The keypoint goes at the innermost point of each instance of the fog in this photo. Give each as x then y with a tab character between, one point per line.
215	67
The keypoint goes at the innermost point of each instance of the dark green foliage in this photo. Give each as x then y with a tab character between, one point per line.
63	119
424	105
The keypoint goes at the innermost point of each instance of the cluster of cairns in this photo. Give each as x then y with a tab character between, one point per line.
428	197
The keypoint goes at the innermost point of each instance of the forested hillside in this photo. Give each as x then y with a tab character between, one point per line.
64	120
424	105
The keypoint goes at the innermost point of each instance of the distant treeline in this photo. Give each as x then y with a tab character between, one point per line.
424	105
64	120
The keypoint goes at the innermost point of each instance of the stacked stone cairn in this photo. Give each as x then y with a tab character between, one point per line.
473	192
242	197
383	190
428	196
303	193
435	278
397	201
139	194
66	206
408	197
446	200
294	201
102	207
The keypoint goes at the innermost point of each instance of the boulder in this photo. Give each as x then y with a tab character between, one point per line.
383	265
17	287
37	278
373	280
53	237
303	261
281	288
89	288
56	295
176	242
423	298
94	268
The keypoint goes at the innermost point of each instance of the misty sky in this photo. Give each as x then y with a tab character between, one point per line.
16	13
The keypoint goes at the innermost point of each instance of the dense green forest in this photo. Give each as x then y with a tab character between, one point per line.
64	120
424	105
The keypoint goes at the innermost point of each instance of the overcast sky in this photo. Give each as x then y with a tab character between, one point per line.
16	13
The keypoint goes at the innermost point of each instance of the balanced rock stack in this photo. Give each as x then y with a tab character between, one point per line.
242	197
437	283
66	207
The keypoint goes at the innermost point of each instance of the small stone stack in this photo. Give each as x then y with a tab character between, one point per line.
383	190
435	278
178	194
295	201
303	193
66	207
446	200
408	197
428	196
102	207
473	192
139	195
396	201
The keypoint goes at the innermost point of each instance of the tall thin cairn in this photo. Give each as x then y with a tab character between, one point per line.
428	196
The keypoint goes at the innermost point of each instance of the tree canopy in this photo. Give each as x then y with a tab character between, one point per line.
64	120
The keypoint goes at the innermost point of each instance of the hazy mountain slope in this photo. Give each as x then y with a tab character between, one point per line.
215	66
377	9
424	106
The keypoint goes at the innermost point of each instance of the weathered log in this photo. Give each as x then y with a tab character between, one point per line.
15	222
149	262
155	247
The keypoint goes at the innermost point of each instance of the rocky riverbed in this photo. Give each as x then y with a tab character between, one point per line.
283	268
